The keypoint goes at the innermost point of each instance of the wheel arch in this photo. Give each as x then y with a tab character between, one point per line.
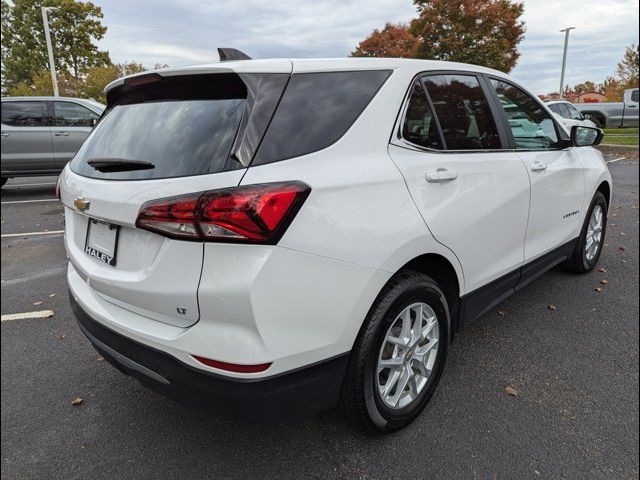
605	189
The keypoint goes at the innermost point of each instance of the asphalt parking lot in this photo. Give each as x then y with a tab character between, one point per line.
574	368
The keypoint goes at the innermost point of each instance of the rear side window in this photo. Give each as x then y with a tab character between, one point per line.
532	127
25	114
69	114
182	126
317	109
463	111
635	96
419	126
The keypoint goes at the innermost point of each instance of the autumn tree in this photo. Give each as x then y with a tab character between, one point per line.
629	66
393	41
75	28
90	85
481	32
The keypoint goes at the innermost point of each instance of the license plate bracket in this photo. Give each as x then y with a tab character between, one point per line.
102	241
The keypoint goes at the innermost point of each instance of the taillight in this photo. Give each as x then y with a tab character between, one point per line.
247	214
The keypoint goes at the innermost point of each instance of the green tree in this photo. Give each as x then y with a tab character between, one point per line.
481	32
75	27
392	41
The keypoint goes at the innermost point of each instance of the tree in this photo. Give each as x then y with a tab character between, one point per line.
629	66
90	85
391	41
75	27
99	77
482	32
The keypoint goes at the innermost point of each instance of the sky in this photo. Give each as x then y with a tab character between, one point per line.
183	32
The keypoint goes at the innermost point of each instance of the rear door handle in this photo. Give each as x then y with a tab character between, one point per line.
61	134
440	176
4	134
538	167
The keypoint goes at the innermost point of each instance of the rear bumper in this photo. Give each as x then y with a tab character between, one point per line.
286	396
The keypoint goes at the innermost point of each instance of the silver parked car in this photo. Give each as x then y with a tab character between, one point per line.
41	134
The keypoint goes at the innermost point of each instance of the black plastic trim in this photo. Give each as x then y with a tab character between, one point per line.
290	395
474	304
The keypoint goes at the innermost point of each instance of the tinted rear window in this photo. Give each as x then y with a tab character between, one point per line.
184	126
316	110
179	138
24	114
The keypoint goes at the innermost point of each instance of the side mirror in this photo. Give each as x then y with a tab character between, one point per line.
585	136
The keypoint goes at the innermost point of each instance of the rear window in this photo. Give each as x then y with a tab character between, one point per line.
183	126
316	110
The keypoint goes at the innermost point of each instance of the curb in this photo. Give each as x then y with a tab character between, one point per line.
604	148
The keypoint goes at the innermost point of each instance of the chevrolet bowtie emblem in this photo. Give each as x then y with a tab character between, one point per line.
81	204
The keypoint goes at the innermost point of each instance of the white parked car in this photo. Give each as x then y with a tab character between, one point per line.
274	237
569	115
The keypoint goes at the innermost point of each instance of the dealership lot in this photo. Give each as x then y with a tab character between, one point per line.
574	368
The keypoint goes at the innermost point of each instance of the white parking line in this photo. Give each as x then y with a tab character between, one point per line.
617	160
25	315
13	202
28	184
28	234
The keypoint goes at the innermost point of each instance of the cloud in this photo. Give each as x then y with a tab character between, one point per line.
180	32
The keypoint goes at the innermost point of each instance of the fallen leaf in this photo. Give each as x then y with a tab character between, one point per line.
76	401
62	335
501	313
37	303
551	306
602	270
511	391
622	233
100	359
598	289
621	249
613	225
604	282
52	295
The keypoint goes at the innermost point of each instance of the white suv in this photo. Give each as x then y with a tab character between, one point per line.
274	237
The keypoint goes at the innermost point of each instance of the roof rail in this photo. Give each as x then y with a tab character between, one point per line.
228	54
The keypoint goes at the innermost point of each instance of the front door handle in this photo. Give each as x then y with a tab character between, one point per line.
538	167
4	134
61	134
441	175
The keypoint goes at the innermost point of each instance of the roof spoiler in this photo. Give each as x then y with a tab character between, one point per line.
228	54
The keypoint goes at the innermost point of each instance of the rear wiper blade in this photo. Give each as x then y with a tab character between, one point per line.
106	165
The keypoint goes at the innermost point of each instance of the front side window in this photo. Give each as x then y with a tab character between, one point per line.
69	114
24	114
419	126
463	111
531	126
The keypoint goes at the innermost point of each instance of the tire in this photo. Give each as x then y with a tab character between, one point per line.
361	398
599	120
4	180
580	261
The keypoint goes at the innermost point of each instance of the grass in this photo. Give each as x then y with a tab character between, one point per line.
621	131
609	140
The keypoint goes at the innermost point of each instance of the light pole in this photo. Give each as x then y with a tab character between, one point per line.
47	36
564	57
